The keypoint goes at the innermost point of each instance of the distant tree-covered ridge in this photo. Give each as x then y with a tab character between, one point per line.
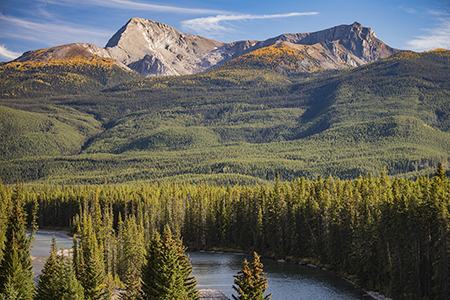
236	123
77	75
387	235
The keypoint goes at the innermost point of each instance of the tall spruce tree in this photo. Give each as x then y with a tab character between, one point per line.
14	285
250	283
440	172
167	272
58	280
48	285
16	275
70	288
132	259
5	211
88	261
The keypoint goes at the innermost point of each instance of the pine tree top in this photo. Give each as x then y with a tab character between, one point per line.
250	283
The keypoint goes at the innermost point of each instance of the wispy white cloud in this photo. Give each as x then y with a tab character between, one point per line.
220	23
135	5
437	12
8	54
408	9
438	37
44	13
50	33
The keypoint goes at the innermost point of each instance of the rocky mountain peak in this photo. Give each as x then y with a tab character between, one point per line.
156	49
363	42
346	41
142	31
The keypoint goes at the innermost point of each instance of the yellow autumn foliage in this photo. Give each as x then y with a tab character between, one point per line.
279	58
78	62
437	50
77	74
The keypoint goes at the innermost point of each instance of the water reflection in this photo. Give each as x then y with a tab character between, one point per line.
42	245
286	281
216	270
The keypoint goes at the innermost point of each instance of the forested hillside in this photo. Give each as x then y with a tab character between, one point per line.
236	123
77	75
324	168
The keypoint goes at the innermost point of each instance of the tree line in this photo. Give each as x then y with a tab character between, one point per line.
386	234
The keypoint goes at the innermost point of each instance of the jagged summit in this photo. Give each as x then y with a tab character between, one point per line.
156	49
341	46
358	40
355	40
354	31
133	24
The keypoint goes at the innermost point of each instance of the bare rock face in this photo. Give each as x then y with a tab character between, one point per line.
153	66
338	47
155	49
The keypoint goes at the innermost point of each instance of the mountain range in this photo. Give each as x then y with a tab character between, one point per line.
336	102
157	49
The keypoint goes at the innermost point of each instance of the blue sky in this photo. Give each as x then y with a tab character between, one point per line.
34	24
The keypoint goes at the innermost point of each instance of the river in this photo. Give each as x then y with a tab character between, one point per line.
287	281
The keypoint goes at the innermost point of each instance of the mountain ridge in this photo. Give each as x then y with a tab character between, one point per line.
156	49
229	124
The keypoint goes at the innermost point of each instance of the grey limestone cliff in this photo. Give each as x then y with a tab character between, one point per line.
156	49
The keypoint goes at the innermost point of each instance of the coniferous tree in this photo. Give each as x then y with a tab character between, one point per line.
9	293
150	270
89	263
251	284
14	283
70	288
17	257
133	258
48	285
58	280
167	272
5	204
440	172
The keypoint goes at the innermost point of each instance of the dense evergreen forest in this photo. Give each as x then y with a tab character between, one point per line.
387	234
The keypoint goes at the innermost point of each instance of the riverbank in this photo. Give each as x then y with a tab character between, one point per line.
61	233
214	274
377	296
374	295
212	295
308	263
